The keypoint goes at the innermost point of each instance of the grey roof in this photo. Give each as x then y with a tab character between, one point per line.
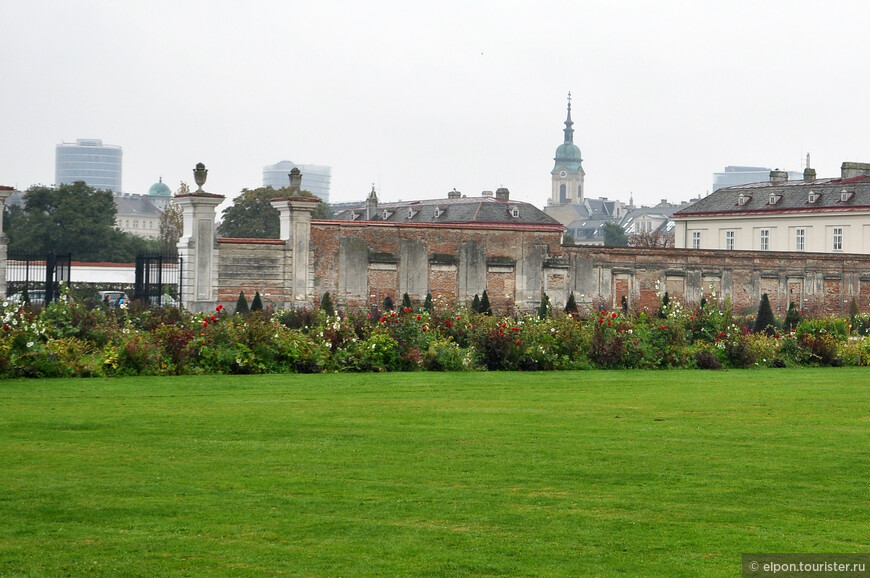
136	205
449	210
789	196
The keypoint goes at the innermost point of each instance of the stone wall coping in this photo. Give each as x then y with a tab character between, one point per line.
303	199
240	241
200	195
462	226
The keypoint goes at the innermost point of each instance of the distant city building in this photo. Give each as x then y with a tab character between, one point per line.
315	178
736	175
140	214
91	161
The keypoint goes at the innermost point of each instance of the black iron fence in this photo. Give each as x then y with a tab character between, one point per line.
158	279
36	279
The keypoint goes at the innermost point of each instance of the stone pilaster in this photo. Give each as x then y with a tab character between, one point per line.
295	218
5	192
198	250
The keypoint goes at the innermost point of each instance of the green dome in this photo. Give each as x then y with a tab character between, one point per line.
159	190
568	152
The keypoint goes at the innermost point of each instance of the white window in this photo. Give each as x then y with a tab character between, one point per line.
696	239
800	238
837	244
764	240
515	212
135	224
437	212
729	240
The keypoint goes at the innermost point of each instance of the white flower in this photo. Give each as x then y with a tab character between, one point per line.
29	344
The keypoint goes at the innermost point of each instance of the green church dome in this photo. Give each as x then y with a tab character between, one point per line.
159	190
568	152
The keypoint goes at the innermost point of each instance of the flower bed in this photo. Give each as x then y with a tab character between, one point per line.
68	338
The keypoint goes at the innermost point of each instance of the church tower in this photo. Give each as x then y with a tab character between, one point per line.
568	173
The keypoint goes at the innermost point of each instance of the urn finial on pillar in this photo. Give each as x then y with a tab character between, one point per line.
199	175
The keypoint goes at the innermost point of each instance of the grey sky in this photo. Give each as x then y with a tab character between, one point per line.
422	97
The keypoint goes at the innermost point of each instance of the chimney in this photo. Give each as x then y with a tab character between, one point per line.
295	179
809	174
778	176
852	170
454	194
502	193
486	194
372	205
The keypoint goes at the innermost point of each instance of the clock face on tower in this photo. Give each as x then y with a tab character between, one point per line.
563	174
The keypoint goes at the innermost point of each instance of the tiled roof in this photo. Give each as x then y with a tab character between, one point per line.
450	210
787	196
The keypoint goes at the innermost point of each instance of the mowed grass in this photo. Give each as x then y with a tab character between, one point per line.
550	474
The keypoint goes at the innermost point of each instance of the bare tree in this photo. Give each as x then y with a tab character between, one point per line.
651	240
171	222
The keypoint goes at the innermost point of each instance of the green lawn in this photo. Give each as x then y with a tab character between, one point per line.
548	474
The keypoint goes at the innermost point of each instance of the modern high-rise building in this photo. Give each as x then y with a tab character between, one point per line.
91	161
315	178
737	175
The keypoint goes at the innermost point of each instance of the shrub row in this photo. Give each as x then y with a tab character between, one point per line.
68	338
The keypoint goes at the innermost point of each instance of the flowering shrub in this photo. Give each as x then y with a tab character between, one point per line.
68	338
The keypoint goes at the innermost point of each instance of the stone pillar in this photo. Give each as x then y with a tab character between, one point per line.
295	218
198	250
5	192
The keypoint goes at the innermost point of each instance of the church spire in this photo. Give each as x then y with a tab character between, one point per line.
569	124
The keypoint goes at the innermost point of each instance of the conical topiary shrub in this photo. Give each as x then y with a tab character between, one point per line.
792	317
326	304
544	309
406	302
256	303
571	305
427	304
475	303
485	307
242	304
765	321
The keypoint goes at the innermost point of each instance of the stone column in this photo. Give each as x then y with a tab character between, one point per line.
198	250
295	217
5	192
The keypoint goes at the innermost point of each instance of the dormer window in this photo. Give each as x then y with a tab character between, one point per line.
438	212
411	213
387	214
742	199
846	195
515	212
813	197
774	199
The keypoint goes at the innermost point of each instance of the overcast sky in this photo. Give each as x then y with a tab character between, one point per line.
420	97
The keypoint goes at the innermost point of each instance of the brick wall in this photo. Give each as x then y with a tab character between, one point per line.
361	264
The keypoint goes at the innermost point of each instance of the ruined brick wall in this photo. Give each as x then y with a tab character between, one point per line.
360	264
821	283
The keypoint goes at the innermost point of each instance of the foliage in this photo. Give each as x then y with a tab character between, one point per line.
72	218
571	305
427	304
792	318
544	308
765	321
252	216
326	304
651	240
406	301
172	222
242	304
485	307
614	235
257	302
73	337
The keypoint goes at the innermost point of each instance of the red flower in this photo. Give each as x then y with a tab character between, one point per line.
722	334
518	341
603	313
219	307
383	319
212	318
609	323
613	315
419	318
777	335
516	328
205	323
393	314
600	320
663	327
692	318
